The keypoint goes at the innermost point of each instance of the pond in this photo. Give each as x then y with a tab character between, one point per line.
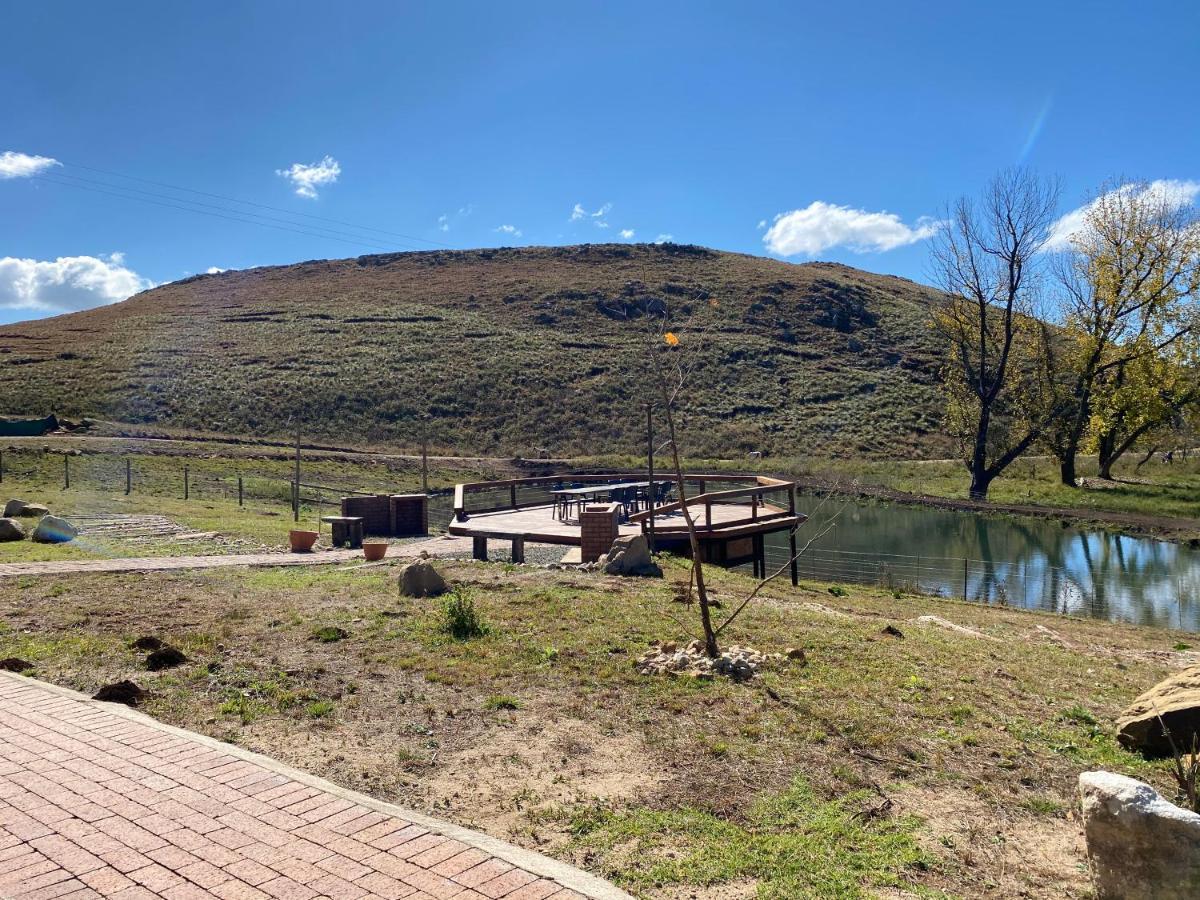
1017	561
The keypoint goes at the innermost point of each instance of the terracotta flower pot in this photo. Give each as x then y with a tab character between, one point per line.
301	541
374	550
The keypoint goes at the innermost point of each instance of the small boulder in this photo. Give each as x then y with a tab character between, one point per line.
165	658
14	507
11	530
1138	844
54	530
1177	700
147	643
421	579
630	555
121	692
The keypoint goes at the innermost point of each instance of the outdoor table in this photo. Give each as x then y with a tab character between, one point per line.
589	492
345	529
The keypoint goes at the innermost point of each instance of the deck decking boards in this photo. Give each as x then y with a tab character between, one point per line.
537	524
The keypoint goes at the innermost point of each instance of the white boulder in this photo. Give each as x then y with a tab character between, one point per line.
1139	845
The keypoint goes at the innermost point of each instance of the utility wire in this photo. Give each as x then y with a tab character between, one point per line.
231	218
175	187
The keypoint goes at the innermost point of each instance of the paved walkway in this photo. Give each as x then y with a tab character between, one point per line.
97	800
439	546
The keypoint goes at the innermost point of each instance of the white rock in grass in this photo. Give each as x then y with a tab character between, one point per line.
1139	845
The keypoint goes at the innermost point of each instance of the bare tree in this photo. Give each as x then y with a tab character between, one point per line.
988	260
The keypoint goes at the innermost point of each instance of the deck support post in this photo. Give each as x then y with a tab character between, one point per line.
512	495
479	548
518	549
792	538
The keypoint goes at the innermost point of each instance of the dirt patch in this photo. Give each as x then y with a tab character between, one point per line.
1011	854
745	889
537	765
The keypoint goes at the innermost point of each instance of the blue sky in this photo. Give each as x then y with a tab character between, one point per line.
483	124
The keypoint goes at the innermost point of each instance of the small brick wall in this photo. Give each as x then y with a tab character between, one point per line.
376	512
599	525
410	514
398	515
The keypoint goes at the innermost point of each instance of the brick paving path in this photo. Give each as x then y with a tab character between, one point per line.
97	800
434	547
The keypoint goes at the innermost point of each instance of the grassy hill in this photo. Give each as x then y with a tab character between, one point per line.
505	349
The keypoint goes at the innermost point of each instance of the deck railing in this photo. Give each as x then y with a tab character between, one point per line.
519	493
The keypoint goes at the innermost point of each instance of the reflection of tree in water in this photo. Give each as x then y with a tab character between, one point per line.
1039	564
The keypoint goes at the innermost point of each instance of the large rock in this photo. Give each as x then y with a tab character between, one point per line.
11	530
630	555
1139	845
54	530
14	507
421	579
1177	700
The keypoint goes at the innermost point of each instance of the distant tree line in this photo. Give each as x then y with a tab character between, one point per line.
1068	335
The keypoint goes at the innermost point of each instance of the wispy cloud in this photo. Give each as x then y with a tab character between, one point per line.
512	230
307	178
22	165
68	283
214	270
1173	192
762	223
627	234
664	239
578	212
821	226
443	222
446	220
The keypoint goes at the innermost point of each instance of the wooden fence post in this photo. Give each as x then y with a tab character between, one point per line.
239	490
186	485
128	477
66	471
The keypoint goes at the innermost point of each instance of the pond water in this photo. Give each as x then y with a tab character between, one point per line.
1018	561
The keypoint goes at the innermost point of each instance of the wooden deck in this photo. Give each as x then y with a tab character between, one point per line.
538	525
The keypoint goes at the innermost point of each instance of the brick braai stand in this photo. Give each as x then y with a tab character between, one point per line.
600	525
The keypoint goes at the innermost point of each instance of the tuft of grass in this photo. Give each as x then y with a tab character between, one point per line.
794	844
838	590
460	619
501	701
319	709
328	634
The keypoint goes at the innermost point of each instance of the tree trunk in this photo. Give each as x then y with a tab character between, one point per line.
1107	454
1066	469
981	480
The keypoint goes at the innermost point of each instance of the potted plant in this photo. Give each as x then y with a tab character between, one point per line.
374	550
301	541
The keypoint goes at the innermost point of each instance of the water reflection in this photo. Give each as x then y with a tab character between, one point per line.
1032	563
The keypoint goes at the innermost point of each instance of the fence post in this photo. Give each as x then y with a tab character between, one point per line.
66	471
186	485
239	490
964	594
128	477
1	467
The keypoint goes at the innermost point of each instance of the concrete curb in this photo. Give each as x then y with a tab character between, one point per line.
568	876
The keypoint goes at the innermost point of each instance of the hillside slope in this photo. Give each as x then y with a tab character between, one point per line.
506	349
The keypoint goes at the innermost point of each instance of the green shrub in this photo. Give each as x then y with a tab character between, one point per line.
460	618
502	701
327	634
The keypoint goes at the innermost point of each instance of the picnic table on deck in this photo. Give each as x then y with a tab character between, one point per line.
590	492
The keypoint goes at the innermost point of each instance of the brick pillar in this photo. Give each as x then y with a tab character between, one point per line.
410	514
599	525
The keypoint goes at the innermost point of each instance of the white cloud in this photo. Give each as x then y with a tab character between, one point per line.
22	165
308	178
627	233
68	283
443	222
1171	191
578	212
214	270
762	223
664	239
820	226
510	229
600	224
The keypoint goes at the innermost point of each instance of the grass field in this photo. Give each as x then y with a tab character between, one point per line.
936	763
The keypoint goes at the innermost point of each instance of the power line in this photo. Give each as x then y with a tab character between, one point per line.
174	187
231	218
191	203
